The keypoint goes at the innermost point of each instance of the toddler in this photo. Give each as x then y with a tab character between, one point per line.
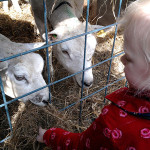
125	123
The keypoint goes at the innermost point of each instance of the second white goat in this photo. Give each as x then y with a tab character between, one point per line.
22	74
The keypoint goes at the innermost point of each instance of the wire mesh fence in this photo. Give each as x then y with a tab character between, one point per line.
5	103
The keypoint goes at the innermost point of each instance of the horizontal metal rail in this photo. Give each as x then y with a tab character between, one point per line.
15	99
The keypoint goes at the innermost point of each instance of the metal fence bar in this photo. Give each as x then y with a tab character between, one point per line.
113	48
47	53
51	44
92	93
6	139
86	29
2	105
6	107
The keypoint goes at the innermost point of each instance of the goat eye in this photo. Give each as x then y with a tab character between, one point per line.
19	78
65	52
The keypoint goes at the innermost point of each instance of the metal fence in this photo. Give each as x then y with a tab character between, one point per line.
6	103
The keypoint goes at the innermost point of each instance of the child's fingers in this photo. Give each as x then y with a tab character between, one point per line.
40	128
41	131
39	137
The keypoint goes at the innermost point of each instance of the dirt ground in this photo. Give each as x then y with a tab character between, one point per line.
19	27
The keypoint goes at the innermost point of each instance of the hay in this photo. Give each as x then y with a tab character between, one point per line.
18	27
27	118
24	29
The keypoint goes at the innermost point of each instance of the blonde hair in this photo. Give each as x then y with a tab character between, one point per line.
136	24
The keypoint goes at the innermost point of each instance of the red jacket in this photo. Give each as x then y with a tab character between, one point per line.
114	129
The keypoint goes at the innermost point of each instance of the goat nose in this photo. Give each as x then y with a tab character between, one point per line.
88	84
45	102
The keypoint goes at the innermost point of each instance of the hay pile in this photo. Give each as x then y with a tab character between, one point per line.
27	118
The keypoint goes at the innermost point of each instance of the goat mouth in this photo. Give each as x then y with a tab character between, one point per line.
45	102
84	84
38	101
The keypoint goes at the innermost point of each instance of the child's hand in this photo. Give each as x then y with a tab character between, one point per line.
39	137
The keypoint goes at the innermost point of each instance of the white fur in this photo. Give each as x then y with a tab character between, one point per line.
65	23
15	5
28	66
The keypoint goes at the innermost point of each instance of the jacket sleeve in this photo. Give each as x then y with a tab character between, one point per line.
57	138
90	139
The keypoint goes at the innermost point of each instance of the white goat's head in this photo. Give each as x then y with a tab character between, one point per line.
23	75
71	53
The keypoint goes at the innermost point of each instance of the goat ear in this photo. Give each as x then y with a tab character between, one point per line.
94	27
51	36
55	34
3	65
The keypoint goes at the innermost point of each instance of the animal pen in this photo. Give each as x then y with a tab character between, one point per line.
74	103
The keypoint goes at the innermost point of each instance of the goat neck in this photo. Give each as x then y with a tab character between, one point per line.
63	15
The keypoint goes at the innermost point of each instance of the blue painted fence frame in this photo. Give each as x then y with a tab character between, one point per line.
5	103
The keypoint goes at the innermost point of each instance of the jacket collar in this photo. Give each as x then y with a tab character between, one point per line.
125	99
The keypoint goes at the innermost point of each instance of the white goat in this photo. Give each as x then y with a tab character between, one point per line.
63	16
15	4
22	74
